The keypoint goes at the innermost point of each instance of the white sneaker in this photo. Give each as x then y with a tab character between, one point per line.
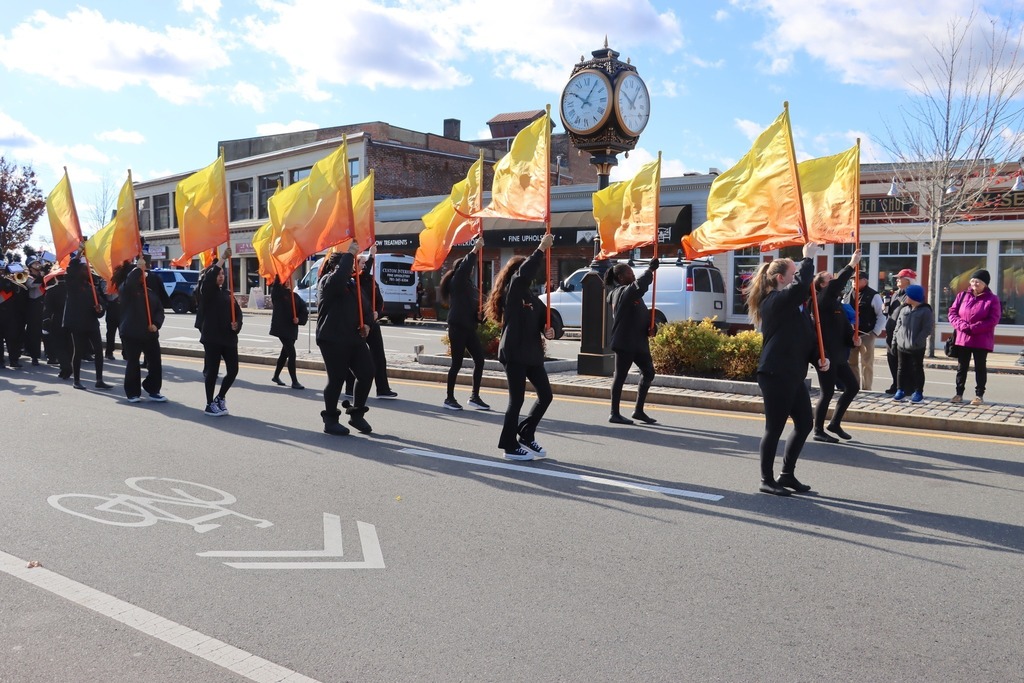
519	454
134	399
533	446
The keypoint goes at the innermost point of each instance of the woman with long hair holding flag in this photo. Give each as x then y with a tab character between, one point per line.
458	289
776	297
82	312
141	319
219	320
289	313
522	316
631	332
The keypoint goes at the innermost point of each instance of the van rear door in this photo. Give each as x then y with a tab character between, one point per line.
397	282
707	298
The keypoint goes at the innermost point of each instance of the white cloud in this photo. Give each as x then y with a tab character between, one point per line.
248	94
208	7
290	127
750	129
48	159
628	166
128	137
84	49
705	64
721	15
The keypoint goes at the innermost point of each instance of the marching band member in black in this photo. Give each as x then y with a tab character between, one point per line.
837	337
374	340
631	332
82	312
218	334
34	310
141	319
459	290
289	313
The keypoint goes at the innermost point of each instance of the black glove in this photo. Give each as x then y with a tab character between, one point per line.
653	265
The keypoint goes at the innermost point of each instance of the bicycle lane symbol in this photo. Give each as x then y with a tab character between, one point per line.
120	509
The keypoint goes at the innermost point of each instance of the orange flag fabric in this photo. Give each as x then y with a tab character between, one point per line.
830	189
60	209
450	222
521	178
118	240
627	212
755	201
201	202
314	213
365	228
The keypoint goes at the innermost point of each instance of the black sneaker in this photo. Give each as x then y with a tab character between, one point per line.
387	394
519	453
538	450
617	419
451	404
824	438
891	390
790	482
476	402
839	431
771	486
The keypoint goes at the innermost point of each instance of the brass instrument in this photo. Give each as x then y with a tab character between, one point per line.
18	279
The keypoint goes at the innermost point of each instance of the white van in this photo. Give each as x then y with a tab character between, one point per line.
686	290
395	279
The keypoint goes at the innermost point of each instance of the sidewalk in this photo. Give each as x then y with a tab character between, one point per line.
869	407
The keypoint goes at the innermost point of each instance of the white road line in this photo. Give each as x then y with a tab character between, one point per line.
566	475
215	651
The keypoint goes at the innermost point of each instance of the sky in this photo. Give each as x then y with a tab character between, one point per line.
101	86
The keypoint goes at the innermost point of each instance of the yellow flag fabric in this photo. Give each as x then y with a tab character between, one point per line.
365	229
521	178
201	203
60	209
830	189
118	240
450	222
627	212
755	201
263	242
314	213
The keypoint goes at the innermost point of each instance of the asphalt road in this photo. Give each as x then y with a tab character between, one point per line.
632	554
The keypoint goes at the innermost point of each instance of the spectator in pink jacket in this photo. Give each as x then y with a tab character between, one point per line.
974	315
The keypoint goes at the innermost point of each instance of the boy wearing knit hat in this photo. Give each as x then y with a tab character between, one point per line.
974	315
910	338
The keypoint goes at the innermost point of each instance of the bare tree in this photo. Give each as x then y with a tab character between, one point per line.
963	122
103	202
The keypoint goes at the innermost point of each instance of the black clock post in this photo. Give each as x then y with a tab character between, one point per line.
602	135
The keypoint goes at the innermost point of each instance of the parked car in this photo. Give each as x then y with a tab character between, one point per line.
181	287
395	278
685	290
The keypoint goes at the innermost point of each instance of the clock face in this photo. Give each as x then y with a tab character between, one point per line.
586	102
632	103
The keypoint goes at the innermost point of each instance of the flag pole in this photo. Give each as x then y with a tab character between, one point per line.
227	239
547	213
657	210
803	230
856	242
138	234
480	235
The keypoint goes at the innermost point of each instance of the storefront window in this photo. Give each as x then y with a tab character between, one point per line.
892	258
842	253
241	199
1008	283
958	260
744	263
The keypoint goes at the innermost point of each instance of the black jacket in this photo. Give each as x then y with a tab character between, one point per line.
524	318
282	300
836	330
789	338
464	295
368	288
214	317
80	314
337	306
631	319
134	318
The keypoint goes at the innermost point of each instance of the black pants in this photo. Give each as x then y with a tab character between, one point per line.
517	374
133	350
892	357
339	361
963	363
375	345
12	330
624	360
212	355
82	343
911	372
784	397
462	339
286	357
113	319
34	328
840	373
61	345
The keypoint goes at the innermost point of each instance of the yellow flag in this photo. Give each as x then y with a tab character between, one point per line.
118	240
60	209
450	222
627	212
521	178
263	242
314	213
365	229
201	203
755	201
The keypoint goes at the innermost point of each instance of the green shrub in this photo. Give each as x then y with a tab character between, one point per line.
741	355
703	350
489	334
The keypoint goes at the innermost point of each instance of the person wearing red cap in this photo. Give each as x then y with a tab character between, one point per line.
904	279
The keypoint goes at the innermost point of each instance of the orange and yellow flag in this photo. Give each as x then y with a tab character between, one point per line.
522	177
830	187
627	212
450	222
315	213
60	209
263	242
202	205
755	201
365	229
118	240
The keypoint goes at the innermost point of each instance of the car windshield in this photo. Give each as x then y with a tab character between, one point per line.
189	276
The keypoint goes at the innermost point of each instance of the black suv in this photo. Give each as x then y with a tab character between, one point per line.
180	286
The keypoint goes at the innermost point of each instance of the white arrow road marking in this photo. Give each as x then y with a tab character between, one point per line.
566	475
236	660
373	558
